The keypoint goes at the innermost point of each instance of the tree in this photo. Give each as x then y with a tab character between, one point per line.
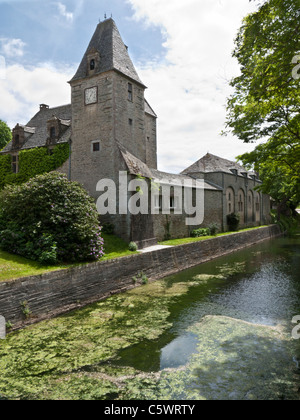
265	103
5	134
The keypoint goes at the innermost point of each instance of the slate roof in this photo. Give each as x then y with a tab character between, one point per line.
149	110
113	52
179	179
36	129
211	163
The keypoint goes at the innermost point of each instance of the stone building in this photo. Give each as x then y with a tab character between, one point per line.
111	128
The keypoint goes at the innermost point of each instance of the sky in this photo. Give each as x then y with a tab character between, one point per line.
182	51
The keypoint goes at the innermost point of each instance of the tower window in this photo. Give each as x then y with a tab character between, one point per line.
92	64
130	94
96	146
130	121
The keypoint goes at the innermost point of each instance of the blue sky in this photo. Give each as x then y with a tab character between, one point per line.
59	31
181	50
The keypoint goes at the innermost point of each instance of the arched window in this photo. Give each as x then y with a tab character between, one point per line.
257	208
230	200
250	211
241	206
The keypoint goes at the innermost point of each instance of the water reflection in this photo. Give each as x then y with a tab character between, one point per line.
259	285
178	352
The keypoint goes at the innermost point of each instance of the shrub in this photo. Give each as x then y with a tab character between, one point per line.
213	228
50	220
196	233
108	228
132	247
233	221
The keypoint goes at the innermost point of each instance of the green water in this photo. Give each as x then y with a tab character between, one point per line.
221	330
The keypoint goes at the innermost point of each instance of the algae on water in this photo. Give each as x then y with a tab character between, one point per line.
90	353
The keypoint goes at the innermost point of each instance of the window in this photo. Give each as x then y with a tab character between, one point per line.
52	133
17	140
130	121
158	202
92	64
257	204
15	168
96	146
174	201
130	92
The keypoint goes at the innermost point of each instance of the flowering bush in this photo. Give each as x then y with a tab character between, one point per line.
51	220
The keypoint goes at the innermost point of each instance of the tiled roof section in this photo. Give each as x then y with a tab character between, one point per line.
36	129
134	165
212	163
149	110
179	180
137	167
113	52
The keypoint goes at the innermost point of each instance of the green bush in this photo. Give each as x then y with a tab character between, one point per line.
213	228
50	220
132	246
233	221
196	233
108	228
289	225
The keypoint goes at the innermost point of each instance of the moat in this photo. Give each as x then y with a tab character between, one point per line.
222	330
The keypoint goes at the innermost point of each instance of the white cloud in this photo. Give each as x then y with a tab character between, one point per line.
25	88
64	13
189	90
12	47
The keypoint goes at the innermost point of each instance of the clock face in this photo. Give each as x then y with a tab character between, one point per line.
91	95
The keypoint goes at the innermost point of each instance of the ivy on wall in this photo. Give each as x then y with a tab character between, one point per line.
5	168
32	162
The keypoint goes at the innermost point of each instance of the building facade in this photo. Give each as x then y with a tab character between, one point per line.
111	129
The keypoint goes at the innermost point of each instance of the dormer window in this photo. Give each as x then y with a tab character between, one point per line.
52	133
92	64
17	140
15	164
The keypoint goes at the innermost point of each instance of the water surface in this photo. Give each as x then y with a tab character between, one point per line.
221	330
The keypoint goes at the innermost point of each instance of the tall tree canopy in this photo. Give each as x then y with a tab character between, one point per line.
5	134
265	103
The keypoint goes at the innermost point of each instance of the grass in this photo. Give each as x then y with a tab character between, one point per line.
115	247
13	266
182	241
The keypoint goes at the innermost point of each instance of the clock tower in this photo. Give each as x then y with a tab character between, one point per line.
109	111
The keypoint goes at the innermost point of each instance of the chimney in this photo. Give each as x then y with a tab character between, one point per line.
43	106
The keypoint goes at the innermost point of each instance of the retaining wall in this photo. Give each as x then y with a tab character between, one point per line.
58	292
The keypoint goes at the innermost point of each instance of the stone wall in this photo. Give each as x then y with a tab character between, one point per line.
58	292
